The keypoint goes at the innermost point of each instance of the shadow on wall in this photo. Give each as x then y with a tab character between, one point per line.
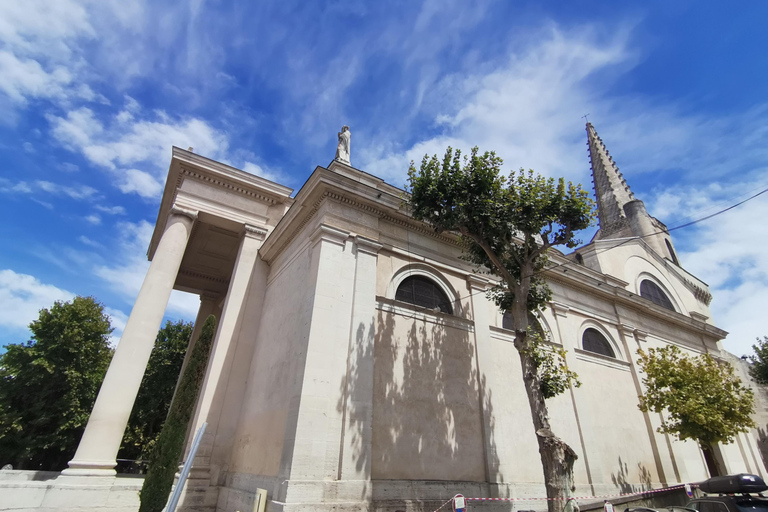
427	417
620	479
762	443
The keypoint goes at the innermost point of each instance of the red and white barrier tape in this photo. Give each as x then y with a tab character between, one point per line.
572	497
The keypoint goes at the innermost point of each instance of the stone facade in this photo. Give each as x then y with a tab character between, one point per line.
330	393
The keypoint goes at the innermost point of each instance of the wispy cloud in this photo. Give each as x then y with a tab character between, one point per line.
125	273
78	192
119	146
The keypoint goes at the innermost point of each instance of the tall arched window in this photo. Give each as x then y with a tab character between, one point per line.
655	294
424	292
593	341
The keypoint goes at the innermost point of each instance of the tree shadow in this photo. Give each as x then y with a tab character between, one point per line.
621	479
426	421
762	444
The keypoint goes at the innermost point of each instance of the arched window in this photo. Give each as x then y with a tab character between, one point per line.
655	294
507	322
593	341
424	292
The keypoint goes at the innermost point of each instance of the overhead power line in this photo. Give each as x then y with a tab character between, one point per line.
627	240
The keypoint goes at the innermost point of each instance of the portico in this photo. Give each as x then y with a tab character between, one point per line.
212	221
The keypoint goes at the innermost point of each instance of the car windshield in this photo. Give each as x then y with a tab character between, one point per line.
752	505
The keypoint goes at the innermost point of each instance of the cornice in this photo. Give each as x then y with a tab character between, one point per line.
630	300
200	275
223	184
254	232
330	195
478	283
330	234
367	246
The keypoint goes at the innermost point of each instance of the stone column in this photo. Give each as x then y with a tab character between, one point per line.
101	440
218	374
358	397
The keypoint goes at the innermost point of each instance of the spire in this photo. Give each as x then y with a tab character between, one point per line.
611	189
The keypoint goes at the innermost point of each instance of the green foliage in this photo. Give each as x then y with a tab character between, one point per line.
167	452
759	368
48	384
156	391
507	224
554	375
702	398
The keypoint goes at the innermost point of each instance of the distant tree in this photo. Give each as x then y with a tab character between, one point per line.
48	384
156	391
507	226
701	397
759	368
167	452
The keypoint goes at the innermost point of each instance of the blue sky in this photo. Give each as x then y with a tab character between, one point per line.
93	94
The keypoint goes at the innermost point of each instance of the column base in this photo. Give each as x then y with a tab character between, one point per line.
90	468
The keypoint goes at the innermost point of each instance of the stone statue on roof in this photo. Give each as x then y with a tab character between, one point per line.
342	150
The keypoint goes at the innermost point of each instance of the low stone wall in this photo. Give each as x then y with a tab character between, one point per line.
46	491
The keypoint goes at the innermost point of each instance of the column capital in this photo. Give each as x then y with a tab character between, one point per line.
479	283
254	232
178	210
367	245
329	234
559	309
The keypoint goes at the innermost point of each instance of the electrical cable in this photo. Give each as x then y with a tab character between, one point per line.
681	226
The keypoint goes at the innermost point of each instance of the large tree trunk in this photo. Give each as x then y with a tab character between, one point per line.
557	458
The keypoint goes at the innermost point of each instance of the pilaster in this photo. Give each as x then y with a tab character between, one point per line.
357	427
477	287
228	365
317	444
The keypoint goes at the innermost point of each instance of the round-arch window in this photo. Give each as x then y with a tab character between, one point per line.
655	294
507	322
594	341
423	292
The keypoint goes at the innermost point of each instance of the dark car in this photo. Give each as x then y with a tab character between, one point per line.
733	493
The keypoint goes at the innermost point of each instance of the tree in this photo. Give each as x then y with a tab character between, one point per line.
507	226
48	384
156	391
167	452
759	368
702	398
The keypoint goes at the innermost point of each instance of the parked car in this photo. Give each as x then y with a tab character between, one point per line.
733	493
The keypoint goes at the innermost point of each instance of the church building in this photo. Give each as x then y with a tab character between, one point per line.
359	365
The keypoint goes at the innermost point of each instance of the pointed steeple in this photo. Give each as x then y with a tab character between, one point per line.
611	189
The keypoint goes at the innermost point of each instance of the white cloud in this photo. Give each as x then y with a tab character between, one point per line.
119	146
28	147
91	243
110	210
22	296
718	252
144	184
263	172
118	320
528	109
93	219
